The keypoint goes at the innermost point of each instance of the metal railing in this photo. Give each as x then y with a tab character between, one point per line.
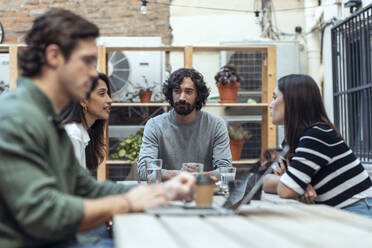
352	79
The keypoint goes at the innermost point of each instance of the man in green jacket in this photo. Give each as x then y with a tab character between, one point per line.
46	197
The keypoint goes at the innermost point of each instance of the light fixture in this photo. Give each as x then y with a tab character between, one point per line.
298	29
353	5
257	16
143	9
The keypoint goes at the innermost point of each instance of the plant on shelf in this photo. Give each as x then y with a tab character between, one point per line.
129	148
238	136
228	83
144	89
134	91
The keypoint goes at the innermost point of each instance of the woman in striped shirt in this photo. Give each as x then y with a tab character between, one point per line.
322	166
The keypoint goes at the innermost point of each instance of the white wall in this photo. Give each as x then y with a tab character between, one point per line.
196	26
330	11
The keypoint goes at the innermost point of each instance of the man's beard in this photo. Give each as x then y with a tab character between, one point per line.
183	108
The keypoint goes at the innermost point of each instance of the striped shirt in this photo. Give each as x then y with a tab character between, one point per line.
323	160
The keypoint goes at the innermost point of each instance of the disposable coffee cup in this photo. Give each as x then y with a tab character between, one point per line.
204	190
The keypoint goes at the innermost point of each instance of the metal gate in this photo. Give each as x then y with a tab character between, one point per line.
352	75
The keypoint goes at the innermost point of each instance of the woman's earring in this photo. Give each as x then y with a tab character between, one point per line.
85	108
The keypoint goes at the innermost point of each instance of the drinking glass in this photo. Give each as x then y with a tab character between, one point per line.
227	174
153	170
194	168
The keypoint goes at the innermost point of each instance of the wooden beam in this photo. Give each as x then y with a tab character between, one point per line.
181	48
101	60
156	48
270	128
188	56
268	131
13	66
102	170
271	86
229	48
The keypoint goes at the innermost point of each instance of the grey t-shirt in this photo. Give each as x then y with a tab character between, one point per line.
205	140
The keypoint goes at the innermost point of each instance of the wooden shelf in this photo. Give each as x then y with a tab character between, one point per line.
238	162
182	48
237	105
164	104
139	104
246	161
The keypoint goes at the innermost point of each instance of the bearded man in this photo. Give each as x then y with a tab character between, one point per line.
185	134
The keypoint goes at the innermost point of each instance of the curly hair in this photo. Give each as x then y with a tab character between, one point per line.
57	26
177	77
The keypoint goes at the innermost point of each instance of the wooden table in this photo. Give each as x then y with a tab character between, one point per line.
261	224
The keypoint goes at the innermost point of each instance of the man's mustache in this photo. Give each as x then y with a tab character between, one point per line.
182	103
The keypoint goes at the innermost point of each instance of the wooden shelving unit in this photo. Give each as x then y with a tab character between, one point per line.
268	130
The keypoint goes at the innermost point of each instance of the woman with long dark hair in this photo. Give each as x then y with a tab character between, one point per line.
321	165
85	123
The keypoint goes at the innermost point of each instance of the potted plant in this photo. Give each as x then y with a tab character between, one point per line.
238	136
144	90
228	83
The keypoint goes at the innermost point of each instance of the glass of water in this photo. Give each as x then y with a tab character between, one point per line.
194	168
153	170
227	174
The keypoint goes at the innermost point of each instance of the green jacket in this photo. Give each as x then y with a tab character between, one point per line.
42	185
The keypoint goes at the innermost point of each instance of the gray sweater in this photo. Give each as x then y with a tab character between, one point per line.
205	140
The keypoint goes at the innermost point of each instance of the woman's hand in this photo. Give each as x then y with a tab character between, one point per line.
309	195
280	168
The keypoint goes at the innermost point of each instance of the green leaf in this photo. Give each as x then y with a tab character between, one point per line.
121	153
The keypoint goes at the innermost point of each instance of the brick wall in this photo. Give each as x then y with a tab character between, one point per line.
114	17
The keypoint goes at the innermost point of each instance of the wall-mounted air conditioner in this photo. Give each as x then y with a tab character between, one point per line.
4	72
134	66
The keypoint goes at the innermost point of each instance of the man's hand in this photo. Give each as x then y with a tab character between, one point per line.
145	196
169	174
148	196
180	187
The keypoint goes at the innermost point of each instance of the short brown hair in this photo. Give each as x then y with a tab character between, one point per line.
57	26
